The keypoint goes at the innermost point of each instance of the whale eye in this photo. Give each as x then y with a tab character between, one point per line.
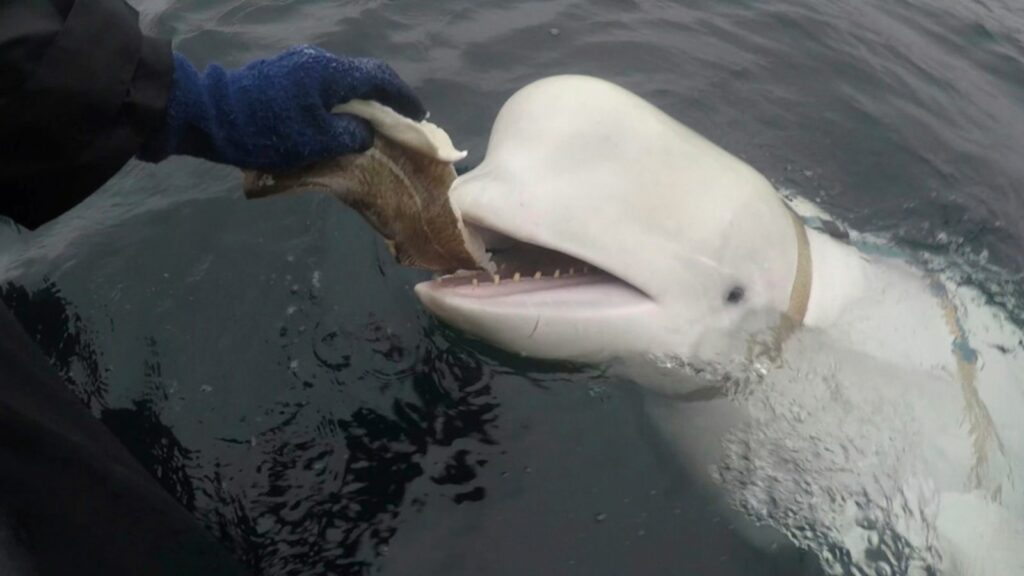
735	295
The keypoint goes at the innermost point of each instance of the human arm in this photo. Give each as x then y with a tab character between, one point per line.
82	88
275	113
82	91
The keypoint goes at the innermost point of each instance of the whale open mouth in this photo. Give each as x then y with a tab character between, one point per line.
523	269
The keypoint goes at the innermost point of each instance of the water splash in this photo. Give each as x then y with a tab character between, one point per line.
834	464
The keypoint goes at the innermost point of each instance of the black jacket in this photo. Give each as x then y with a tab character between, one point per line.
80	89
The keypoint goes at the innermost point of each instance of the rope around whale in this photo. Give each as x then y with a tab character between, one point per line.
980	426
790	320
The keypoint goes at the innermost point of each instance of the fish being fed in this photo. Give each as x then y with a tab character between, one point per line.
400	186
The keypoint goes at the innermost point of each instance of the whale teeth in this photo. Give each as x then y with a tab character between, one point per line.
558	273
516	277
497	279
537	275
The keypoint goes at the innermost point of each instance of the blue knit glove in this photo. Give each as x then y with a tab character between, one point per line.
275	114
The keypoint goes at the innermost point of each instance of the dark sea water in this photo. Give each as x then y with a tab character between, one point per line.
269	364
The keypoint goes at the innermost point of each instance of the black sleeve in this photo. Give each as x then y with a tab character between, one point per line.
80	89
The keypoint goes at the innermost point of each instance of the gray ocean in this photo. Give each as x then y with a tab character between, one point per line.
268	362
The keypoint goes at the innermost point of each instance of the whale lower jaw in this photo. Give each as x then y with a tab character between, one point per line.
543	317
529	277
590	291
567	306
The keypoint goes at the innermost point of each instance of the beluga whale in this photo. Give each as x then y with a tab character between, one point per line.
832	393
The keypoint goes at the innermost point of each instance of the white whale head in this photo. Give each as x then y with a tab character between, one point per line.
647	237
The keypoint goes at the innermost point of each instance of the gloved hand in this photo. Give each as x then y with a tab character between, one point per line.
276	114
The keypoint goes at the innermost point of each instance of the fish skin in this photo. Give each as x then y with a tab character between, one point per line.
401	193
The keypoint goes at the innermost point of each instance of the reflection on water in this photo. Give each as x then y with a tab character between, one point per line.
329	492
62	334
